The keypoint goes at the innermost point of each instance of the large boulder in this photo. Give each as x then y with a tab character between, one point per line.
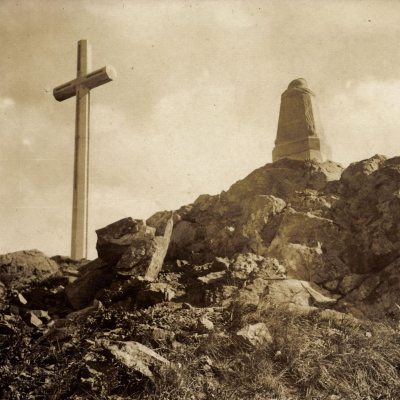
135	248
292	291
376	296
22	268
311	248
114	239
246	217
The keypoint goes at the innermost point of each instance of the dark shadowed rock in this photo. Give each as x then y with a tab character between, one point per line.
148	248
116	238
83	290
154	293
162	222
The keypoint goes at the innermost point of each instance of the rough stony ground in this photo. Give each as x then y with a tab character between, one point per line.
291	262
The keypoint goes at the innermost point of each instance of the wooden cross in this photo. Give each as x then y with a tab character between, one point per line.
80	87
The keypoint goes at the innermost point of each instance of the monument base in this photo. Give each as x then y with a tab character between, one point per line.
309	148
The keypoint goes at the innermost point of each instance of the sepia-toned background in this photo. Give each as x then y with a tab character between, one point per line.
195	105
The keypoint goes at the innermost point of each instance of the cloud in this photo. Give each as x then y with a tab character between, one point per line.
6	103
363	120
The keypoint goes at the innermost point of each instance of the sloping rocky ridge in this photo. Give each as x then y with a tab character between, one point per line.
337	228
300	236
291	221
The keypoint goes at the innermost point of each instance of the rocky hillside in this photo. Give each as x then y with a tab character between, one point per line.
291	264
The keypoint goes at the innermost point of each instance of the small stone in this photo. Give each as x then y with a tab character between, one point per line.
256	335
186	306
22	299
204	325
155	293
34	320
162	335
134	355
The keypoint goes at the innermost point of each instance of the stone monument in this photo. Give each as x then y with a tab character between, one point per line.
300	134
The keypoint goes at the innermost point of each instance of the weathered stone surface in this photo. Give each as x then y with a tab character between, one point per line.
67	264
24	267
162	222
82	291
81	315
134	248
257	286
244	298
204	325
148	248
116	238
255	335
370	204
300	134
162	335
292	291
377	296
214	277
349	282
134	355
139	253
310	248
249	265
246	217
154	293
91	266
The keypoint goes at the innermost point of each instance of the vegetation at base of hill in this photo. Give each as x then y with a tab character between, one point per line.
311	357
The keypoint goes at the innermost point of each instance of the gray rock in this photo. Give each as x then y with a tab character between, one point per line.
134	355
135	248
204	325
292	291
82	315
162	335
83	290
255	335
154	293
116	238
21	268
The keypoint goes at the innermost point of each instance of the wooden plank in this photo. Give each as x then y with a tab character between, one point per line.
65	91
99	77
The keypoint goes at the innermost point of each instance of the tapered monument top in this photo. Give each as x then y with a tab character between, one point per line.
298	83
300	134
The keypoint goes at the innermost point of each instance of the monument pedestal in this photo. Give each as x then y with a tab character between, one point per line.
300	134
309	148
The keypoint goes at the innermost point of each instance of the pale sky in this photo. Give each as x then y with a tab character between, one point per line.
194	107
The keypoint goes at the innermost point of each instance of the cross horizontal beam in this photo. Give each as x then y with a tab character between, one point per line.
90	81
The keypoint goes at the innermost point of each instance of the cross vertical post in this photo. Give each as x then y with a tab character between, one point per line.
80	87
80	191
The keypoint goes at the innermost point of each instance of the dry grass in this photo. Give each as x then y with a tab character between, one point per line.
311	357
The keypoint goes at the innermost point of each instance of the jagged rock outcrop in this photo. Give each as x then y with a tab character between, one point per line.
135	248
337	228
295	232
